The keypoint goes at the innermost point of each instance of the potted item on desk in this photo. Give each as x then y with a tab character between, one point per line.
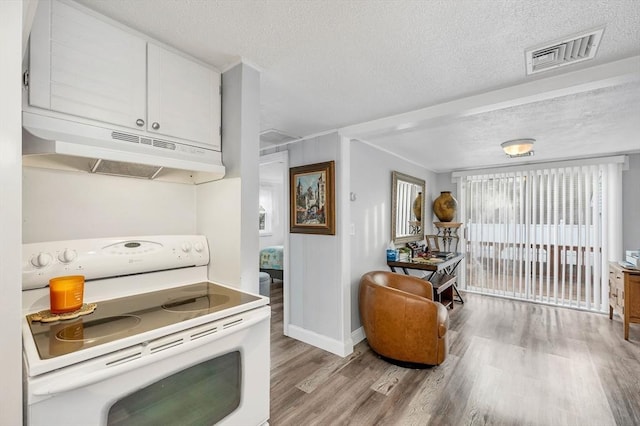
405	254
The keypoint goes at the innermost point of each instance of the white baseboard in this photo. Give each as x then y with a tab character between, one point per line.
358	336
323	342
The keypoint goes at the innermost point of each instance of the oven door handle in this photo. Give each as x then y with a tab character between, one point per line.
81	380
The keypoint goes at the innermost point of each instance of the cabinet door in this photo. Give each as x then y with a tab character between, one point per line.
619	286
632	295
183	97
83	66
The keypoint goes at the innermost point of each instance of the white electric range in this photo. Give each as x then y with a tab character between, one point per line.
163	346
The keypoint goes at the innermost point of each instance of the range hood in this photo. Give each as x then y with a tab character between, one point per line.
63	144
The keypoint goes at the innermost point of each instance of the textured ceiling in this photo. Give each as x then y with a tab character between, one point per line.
330	64
591	123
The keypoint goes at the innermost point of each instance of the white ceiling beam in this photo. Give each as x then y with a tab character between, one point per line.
606	75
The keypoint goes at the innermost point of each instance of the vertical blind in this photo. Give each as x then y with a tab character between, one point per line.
538	235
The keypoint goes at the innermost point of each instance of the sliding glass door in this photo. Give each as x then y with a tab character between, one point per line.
539	235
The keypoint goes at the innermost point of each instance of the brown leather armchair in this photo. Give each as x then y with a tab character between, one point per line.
400	318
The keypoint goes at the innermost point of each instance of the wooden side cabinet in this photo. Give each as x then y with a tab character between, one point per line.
624	295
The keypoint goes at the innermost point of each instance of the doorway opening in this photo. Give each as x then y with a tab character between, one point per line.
273	229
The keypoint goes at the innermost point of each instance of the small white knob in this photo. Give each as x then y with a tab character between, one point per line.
186	247
41	260
67	256
198	247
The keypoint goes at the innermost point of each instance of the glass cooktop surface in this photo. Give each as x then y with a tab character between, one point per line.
127	316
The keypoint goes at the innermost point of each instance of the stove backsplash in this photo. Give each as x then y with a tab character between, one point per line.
60	205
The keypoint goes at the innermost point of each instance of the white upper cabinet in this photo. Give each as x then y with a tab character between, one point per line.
183	97
88	67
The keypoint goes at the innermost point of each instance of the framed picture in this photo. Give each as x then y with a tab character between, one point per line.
432	242
312	199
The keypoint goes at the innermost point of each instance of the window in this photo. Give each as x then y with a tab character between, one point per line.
539	234
262	222
266	211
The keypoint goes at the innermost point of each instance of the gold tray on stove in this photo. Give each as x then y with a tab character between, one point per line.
47	316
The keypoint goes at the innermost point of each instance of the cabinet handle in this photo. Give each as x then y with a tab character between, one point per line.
140	122
155	126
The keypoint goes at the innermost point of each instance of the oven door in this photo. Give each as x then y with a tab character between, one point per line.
217	373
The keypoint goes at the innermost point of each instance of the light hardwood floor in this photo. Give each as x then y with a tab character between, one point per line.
510	363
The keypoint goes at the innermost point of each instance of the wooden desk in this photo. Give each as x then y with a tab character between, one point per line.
440	275
624	295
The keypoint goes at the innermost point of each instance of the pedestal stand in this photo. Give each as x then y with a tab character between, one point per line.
448	232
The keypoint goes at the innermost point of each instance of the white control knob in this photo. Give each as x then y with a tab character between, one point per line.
198	247
41	260
67	256
186	247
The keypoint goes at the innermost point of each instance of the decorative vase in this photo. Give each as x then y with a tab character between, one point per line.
417	207
445	206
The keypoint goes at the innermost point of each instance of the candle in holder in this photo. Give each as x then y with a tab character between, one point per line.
66	293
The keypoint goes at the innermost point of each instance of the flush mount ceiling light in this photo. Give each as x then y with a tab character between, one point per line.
518	147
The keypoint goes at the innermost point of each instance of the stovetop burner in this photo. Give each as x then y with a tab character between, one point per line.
89	331
128	316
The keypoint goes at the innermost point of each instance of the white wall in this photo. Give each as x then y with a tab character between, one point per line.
61	205
631	204
228	209
11	15
315	294
219	220
371	211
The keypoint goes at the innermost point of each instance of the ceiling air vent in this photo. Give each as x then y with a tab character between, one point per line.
272	137
565	51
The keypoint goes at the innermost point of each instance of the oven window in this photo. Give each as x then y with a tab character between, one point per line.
200	395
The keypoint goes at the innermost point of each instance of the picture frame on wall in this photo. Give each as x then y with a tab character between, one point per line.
312	199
